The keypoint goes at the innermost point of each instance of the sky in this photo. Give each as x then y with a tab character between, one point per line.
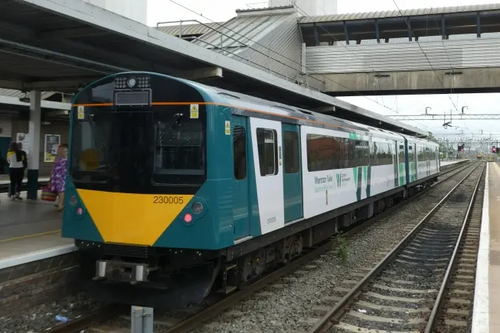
223	10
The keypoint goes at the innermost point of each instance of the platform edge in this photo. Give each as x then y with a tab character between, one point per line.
36	256
481	307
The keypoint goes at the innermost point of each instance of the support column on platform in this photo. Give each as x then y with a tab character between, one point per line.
34	141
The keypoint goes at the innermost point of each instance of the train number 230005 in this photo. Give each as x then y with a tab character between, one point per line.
168	199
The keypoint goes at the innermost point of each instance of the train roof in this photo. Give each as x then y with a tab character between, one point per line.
279	109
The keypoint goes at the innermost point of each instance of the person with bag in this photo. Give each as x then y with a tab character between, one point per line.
15	160
24	159
58	177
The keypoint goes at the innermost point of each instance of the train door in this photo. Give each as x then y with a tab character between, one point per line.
292	180
401	163
438	160
241	217
394	152
415	159
268	168
428	160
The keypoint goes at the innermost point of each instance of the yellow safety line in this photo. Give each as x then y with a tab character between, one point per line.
30	236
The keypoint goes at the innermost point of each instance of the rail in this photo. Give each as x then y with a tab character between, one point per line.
336	312
431	324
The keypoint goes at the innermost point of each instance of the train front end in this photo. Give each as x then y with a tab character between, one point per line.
138	192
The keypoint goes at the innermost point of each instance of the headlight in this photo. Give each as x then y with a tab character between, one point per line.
131	82
73	200
197	207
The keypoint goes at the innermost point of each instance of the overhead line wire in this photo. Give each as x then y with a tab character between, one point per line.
425	55
273	51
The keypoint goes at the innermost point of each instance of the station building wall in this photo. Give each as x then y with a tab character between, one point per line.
10	126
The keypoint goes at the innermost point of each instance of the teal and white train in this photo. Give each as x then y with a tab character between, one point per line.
176	188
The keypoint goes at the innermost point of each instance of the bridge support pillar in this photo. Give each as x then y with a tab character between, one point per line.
34	142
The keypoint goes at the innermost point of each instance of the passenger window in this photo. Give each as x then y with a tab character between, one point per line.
268	151
362	152
291	149
240	152
401	154
323	152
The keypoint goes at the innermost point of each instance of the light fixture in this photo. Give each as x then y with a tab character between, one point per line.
131	82
188	218
197	207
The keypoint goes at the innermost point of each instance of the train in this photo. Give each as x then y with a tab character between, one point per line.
176	190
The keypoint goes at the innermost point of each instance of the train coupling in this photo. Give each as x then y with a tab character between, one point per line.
123	271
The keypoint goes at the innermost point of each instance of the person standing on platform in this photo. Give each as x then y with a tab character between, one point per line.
24	158
15	160
58	176
3	163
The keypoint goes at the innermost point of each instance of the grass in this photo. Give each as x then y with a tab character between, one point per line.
342	247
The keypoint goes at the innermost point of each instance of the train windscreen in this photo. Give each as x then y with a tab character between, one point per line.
139	141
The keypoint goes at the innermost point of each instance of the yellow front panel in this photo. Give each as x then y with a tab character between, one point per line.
137	219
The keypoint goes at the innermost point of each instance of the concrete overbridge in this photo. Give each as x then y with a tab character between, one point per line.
417	51
414	51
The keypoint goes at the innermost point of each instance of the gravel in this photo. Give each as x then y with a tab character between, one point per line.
437	241
286	309
43	316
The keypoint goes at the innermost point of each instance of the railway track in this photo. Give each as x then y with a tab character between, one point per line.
187	320
407	289
454	312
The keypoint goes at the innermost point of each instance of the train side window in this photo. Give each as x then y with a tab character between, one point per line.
362	153
410	153
291	151
240	152
351	153
381	154
268	151
401	154
323	152
342	160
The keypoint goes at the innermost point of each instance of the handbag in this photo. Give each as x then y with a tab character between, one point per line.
48	195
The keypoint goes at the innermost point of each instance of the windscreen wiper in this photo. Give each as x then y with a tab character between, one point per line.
175	118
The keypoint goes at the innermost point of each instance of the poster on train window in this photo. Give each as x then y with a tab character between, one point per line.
52	142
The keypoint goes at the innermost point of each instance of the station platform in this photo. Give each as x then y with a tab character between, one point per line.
4	182
486	313
452	162
30	230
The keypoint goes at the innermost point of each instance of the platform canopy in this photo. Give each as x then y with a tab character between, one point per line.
62	45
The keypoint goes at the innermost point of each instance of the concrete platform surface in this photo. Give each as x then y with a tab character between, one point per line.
30	231
445	163
27	217
34	248
486	313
